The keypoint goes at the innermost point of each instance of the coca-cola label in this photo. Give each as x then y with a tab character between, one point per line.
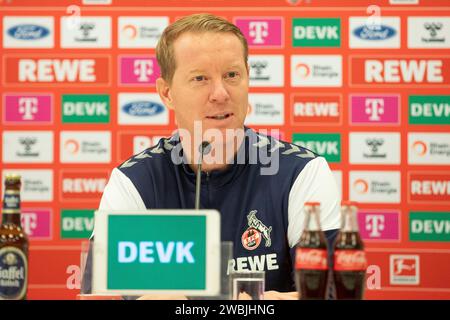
13	273
350	260
311	259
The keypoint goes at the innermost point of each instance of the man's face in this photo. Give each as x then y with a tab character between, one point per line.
210	83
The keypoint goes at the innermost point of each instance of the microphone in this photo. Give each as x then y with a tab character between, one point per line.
204	148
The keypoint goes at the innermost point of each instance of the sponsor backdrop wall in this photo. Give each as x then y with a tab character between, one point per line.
365	86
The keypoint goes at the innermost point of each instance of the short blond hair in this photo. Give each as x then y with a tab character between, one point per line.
196	23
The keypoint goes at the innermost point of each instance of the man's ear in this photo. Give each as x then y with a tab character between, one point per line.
163	88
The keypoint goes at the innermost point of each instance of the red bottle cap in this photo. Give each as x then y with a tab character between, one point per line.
312	203
349	203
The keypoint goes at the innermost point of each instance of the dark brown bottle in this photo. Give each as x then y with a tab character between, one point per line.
13	244
311	263
349	256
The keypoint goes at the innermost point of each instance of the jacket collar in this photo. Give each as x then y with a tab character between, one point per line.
218	178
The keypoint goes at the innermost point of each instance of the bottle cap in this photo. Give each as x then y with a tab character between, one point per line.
12	176
349	203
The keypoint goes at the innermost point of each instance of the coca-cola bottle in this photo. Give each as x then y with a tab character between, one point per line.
311	264
349	257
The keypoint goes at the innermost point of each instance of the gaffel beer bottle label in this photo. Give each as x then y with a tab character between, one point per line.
13	273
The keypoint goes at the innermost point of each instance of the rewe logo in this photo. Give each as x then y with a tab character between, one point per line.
56	70
316	109
142	70
379	109
46	70
83	184
27	108
80	185
140	143
429	187
396	71
404	269
261	32
379	225
131	143
405	71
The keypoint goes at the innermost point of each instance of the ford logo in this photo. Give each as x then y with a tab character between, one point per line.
28	32
374	32
143	108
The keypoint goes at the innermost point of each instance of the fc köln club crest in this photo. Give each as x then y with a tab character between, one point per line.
251	238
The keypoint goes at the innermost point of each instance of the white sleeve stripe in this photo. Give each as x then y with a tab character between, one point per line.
316	182
120	194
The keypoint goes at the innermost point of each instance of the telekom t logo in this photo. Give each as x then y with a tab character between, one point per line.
258	30
28	107
143	69
374	223
29	222
374	108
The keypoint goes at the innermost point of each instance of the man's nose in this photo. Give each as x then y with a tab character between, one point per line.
219	93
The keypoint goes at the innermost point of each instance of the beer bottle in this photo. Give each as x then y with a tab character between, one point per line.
311	263
13	244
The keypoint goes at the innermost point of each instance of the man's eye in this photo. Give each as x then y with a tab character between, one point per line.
199	78
232	74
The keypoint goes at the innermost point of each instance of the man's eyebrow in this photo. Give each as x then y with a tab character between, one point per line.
201	71
196	71
235	66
